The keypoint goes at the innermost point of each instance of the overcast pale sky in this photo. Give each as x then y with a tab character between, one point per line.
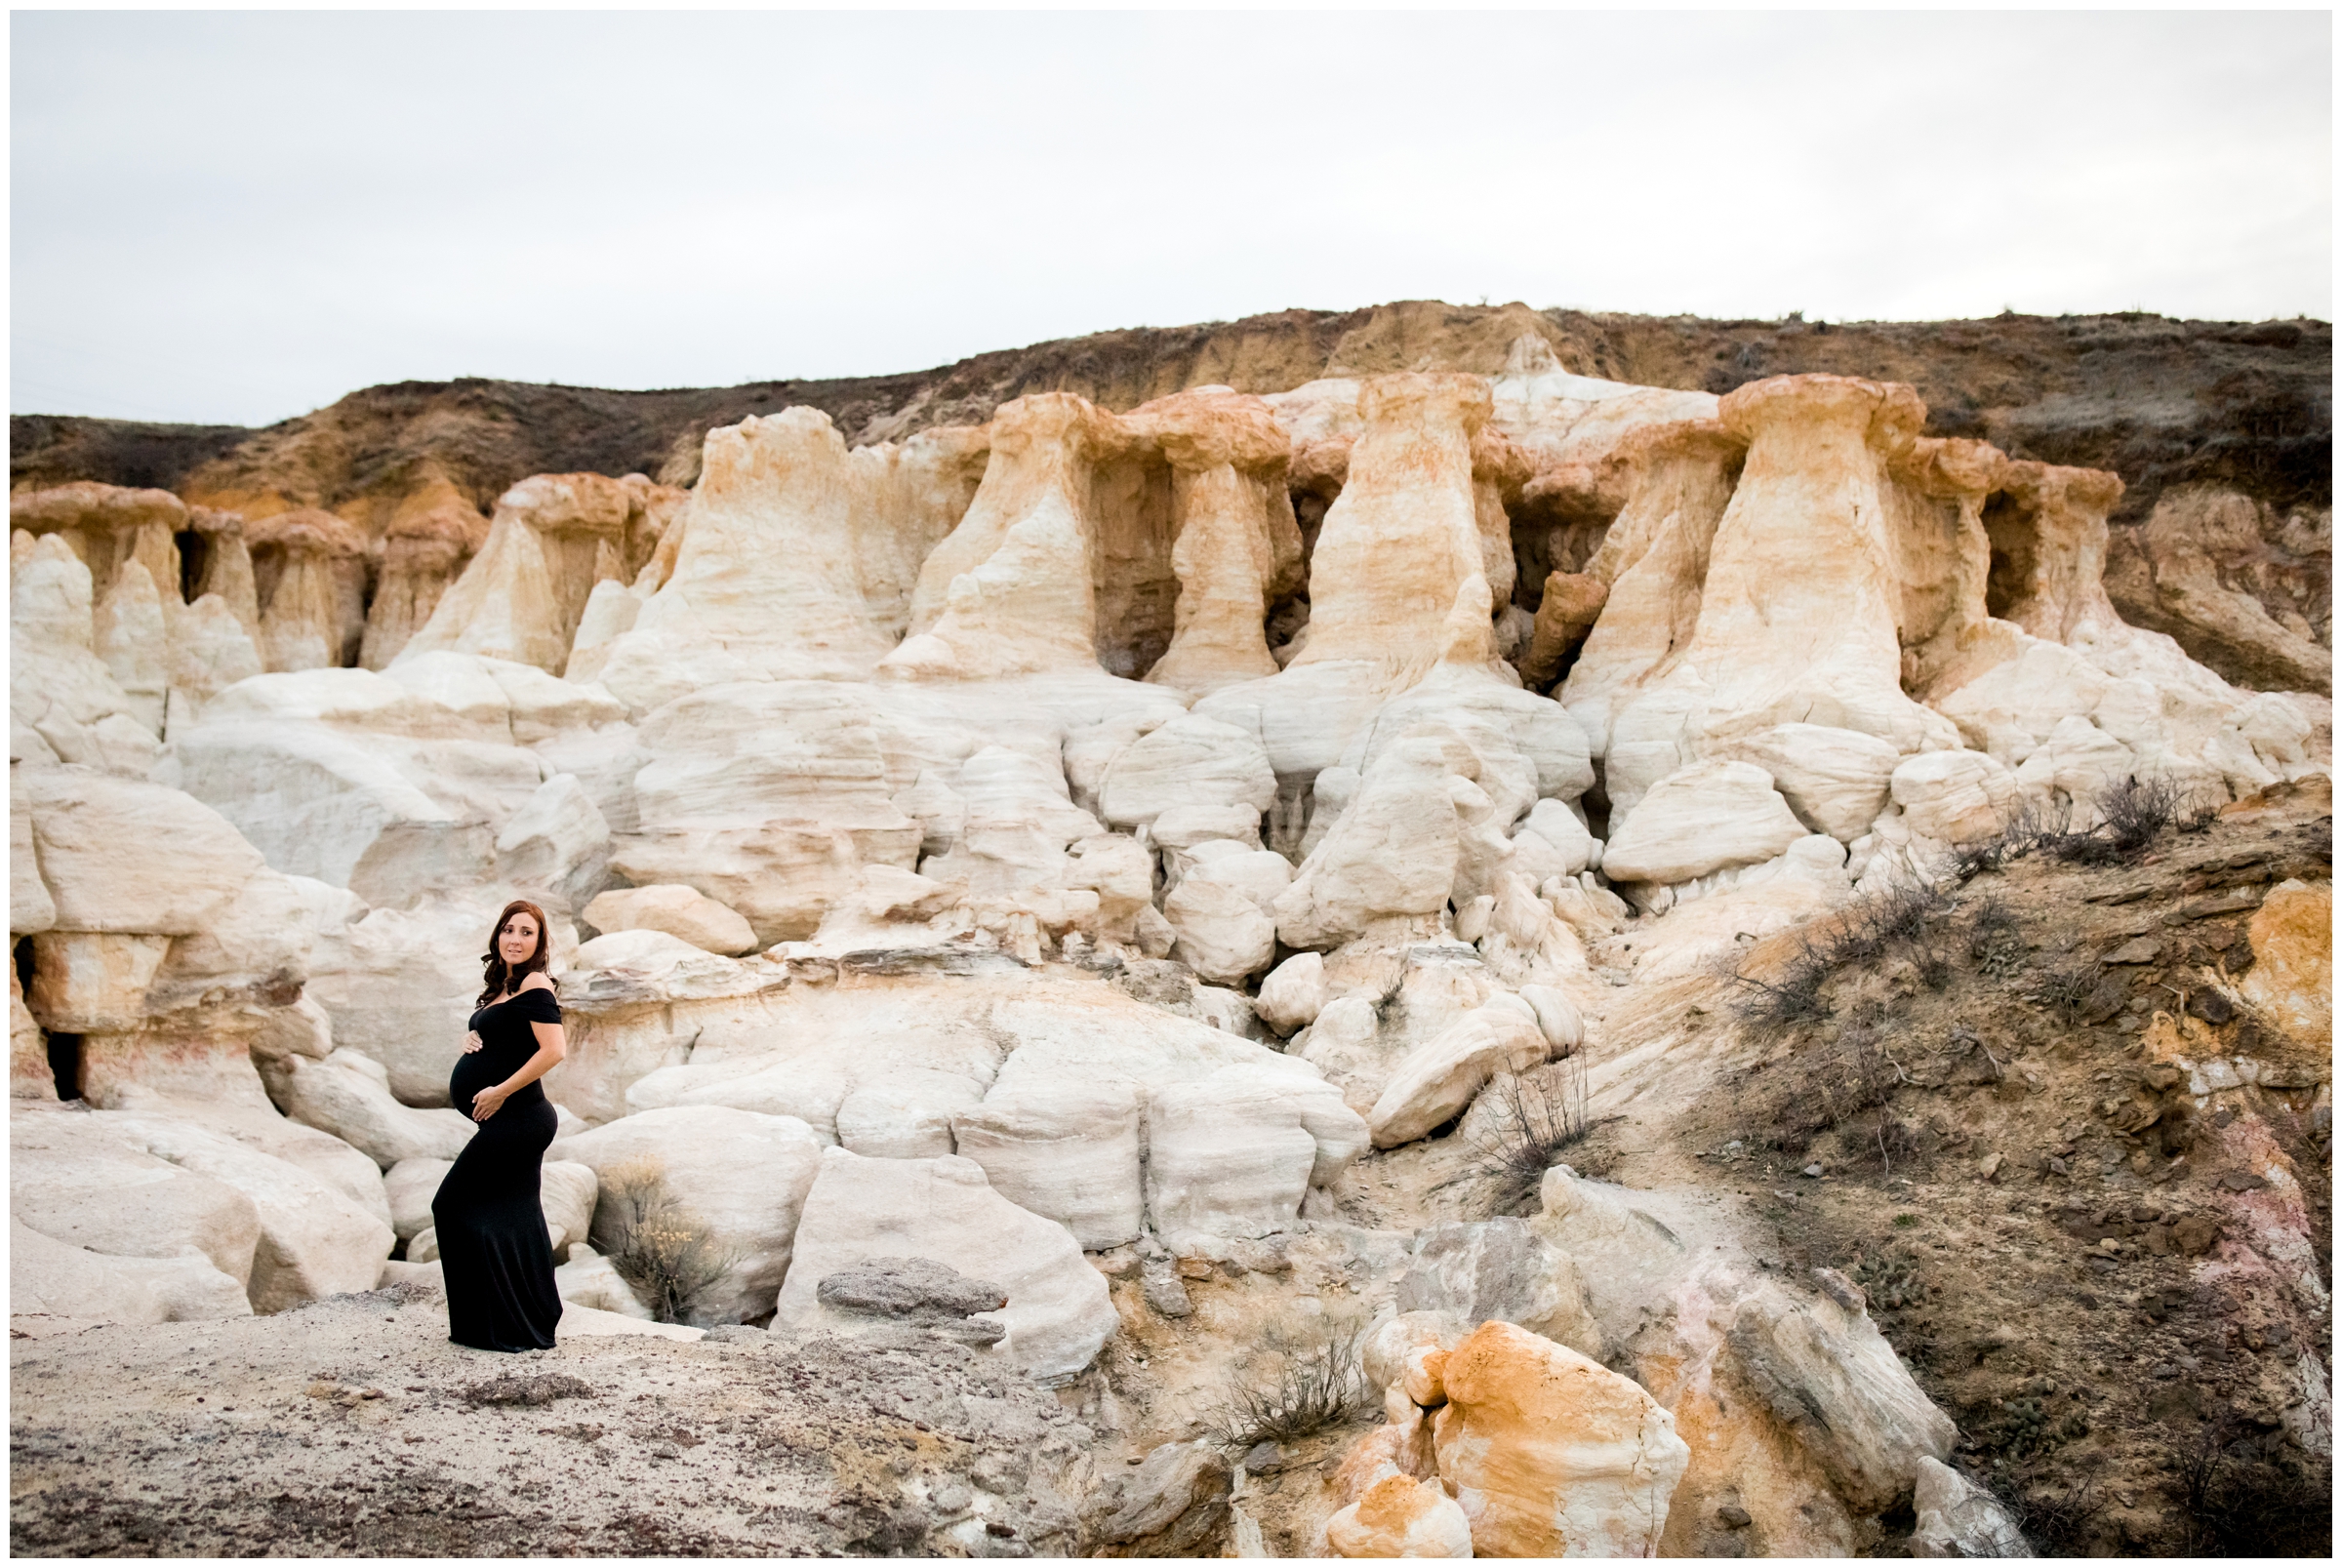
237	217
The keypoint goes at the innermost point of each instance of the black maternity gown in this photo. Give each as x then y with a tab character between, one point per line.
494	1247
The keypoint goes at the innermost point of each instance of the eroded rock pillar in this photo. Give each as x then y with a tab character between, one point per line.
1228	459
1797	617
1010	592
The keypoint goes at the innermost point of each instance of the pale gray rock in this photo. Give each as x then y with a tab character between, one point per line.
588	1280
1827	1374
348	1095
557	844
1067	1150
1058	1313
684	914
1502	1269
916	1293
567	1191
47	1275
741	1178
314	1242
1174	1506
907	1114
72	1179
411	1185
1957	1518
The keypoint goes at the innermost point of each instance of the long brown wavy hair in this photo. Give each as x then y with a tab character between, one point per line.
498	976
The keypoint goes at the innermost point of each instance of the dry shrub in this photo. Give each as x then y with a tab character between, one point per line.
1518	1130
657	1246
1996	942
2245	1495
2067	991
1300	1379
2133	812
1897	918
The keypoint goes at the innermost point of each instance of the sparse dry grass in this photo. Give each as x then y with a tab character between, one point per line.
657	1246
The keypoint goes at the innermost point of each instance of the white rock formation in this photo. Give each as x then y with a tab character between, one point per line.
46	1275
738	1177
348	1095
1057	1313
683	912
1954	1517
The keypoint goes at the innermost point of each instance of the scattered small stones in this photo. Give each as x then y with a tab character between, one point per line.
526	1388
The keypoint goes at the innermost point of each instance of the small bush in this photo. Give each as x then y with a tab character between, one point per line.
1525	1126
2034	824
1298	1381
1771	1006
1996	944
2138	811
2067	991
656	1245
1896	917
2243	1496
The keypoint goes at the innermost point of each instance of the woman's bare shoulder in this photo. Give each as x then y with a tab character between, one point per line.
537	981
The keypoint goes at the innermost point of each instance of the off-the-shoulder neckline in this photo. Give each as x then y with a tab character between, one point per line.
547	987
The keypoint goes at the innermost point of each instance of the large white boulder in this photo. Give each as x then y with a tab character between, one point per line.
1189	761
1955	797
314	1240
411	1185
557	844
1834	780
1234	1154
1225	935
741	1177
1826	1373
1293	993
1390	857
588	1280
348	1095
1440	1077
47	1275
1067	1150
1954	1517
567	1191
1708	817
1059	1314
72	1179
683	912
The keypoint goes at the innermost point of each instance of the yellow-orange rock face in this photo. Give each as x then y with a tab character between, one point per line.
1400	1517
2292	978
1552	1455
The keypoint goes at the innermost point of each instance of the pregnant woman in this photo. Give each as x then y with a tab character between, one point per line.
493	1244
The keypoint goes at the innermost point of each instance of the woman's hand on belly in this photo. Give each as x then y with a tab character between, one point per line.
473	1042
484	1103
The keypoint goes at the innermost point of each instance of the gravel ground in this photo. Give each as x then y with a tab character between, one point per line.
354	1426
